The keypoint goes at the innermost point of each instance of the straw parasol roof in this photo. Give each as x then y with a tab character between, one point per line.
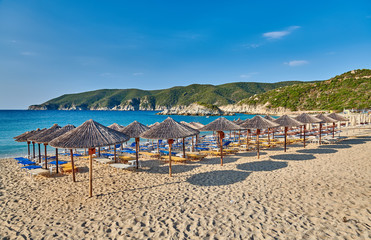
197	125
90	134
306	118
286	121
24	137
239	121
168	129
23	134
259	122
155	124
134	129
325	119
221	124
187	124
337	117
42	134
269	118
55	134
191	126
116	127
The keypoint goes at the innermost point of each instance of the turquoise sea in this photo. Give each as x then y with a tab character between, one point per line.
16	122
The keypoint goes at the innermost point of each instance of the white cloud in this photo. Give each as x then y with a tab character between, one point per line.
280	34
138	74
295	63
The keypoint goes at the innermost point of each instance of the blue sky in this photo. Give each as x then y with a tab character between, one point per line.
49	48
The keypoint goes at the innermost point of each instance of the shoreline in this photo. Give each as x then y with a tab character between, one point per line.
316	192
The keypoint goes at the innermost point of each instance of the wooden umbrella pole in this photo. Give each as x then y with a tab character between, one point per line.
333	130
193	144
46	156
56	160
158	146
99	151
73	166
183	148
33	146
320	133
285	137
221	136
247	139
269	139
304	133
170	141
90	175
28	146
137	151
114	152
257	142
39	153
239	137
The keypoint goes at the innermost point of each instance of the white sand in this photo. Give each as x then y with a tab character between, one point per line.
274	197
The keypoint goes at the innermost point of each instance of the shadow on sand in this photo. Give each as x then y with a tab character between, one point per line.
216	160
293	157
175	168
339	146
355	141
262	166
218	178
317	151
251	154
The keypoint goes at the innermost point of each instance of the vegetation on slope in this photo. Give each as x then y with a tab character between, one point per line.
207	94
349	90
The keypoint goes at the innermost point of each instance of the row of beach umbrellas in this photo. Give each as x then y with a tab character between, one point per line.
91	135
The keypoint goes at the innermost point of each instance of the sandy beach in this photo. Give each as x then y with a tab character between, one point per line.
320	192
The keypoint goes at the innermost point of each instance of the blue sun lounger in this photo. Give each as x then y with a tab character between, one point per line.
31	167
26	162
59	162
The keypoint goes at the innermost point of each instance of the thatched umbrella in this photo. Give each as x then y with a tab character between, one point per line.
337	117
324	119
168	129
31	139
258	123
116	127
192	129
47	138
154	124
133	130
37	139
89	135
197	126
286	121
239	121
306	118
270	119
23	138
194	126
221	124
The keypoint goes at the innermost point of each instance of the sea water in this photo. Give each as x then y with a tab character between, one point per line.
16	122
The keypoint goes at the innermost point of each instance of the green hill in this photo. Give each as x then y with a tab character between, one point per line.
136	99
349	90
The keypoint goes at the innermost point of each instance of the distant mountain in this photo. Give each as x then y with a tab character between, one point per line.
349	90
136	99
